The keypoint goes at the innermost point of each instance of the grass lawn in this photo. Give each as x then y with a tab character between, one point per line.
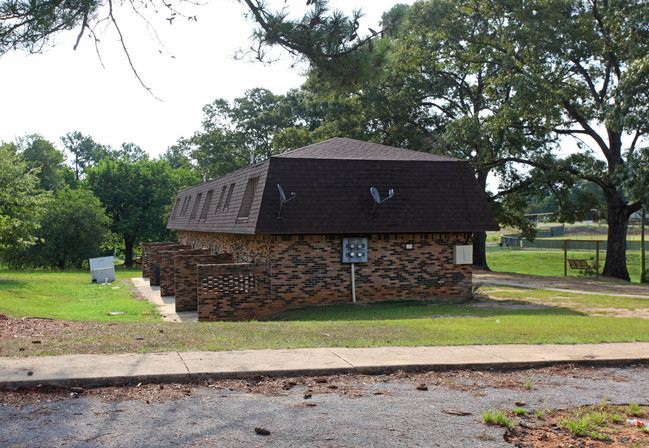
503	316
550	262
72	296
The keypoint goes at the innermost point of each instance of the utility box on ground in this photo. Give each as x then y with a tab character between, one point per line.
102	269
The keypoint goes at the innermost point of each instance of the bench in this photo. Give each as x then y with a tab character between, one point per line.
579	264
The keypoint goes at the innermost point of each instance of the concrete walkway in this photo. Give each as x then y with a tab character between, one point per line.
166	304
86	370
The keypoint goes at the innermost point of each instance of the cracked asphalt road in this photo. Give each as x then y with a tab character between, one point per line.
397	410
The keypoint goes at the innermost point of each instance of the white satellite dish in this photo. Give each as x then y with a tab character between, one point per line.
282	200
282	196
377	197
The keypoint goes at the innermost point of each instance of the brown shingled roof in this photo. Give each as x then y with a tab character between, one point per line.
341	148
332	181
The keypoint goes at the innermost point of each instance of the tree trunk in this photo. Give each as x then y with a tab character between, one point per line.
480	251
618	222
128	252
480	238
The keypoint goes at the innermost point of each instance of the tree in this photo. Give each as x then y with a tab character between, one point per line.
138	197
576	69
73	229
239	133
47	161
84	150
21	201
33	25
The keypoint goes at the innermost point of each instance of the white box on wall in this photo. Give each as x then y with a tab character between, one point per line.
463	254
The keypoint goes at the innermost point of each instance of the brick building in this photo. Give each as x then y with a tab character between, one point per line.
284	222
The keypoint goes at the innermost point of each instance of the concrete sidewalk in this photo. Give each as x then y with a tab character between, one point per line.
96	370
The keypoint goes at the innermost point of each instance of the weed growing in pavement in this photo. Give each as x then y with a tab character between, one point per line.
528	383
635	410
520	412
497	418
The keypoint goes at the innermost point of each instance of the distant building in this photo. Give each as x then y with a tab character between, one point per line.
285	222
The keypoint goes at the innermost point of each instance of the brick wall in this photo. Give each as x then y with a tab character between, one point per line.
308	269
146	251
185	269
154	257
167	261
234	292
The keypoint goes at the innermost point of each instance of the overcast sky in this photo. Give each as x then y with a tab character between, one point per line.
64	90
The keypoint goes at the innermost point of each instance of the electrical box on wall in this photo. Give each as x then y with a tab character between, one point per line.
354	250
463	254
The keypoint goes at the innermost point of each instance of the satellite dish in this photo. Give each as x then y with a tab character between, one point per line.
377	197
282	200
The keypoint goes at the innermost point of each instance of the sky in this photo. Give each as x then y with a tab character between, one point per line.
63	90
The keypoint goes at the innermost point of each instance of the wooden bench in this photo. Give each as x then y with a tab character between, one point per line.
579	264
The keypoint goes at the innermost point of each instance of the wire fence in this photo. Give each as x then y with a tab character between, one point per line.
516	241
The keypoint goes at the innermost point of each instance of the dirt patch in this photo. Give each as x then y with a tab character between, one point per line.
601	285
37	327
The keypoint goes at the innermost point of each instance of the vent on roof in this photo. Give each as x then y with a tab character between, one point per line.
195	207
248	197
228	198
206	206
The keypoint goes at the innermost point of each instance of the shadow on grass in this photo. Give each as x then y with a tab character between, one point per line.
7	284
420	309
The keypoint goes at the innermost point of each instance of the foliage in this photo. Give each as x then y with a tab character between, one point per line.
236	134
84	150
72	230
329	41
138	197
497	418
47	161
21	201
500	82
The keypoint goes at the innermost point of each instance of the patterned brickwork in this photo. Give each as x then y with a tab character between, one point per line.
239	291
167	267
185	268
308	269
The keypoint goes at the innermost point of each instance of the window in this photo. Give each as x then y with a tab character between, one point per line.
248	197
228	197
206	206
220	203
195	207
176	207
185	202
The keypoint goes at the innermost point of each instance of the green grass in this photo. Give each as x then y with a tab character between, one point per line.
550	262
72	296
498	418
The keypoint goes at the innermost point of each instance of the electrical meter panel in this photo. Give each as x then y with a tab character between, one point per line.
354	250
